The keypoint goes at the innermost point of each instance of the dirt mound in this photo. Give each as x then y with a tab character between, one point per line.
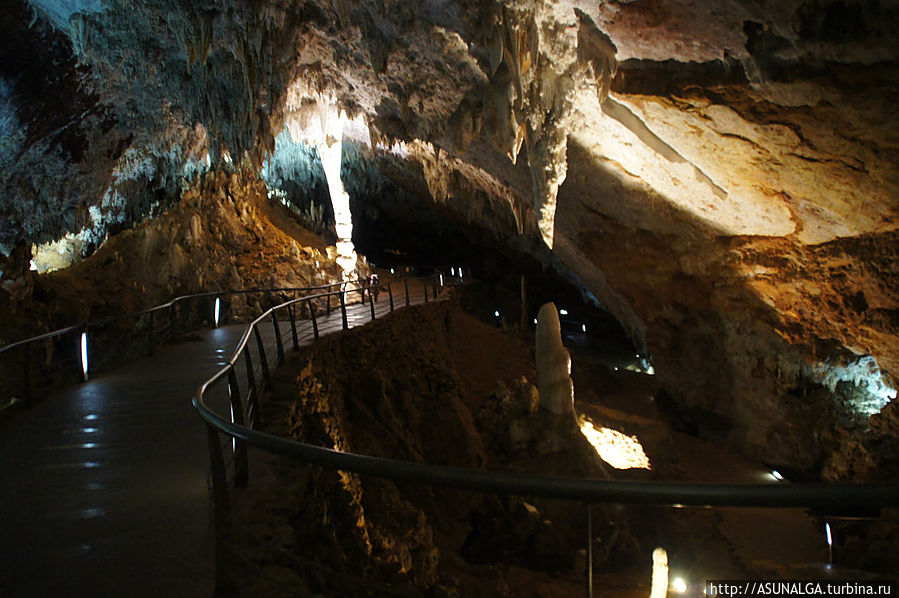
422	385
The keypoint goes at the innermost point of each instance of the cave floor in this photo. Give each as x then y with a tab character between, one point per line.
104	485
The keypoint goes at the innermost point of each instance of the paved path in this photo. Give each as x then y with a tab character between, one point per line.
103	487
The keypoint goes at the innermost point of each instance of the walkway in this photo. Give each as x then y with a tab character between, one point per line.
104	486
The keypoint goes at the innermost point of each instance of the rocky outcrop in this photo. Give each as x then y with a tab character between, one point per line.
223	234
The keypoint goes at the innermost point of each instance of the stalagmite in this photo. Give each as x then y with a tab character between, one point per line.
321	123
340	200
659	587
553	364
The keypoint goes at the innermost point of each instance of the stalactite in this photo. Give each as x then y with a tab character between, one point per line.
596	53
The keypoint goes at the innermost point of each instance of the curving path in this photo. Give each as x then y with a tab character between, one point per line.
103	487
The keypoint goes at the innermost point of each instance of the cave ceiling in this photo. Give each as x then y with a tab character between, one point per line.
720	170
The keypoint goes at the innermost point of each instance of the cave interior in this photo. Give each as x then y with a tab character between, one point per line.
707	192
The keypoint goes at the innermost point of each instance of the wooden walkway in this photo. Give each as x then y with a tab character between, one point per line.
103	488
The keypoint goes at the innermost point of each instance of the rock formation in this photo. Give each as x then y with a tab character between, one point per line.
720	177
553	364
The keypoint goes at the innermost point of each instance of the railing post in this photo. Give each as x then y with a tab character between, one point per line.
343	310
436	282
263	360
328	303
406	288
371	303
221	510
291	311
151	333
314	321
424	285
589	551
278	342
390	295
241	467
251	375
26	375
361	289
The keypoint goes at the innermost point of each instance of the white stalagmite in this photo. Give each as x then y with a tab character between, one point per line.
659	587
323	127
553	364
340	201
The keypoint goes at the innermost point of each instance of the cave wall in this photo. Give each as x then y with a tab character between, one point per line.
719	176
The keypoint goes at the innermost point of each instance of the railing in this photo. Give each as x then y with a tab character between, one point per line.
62	355
229	437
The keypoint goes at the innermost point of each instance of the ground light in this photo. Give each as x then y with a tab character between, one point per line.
216	310
829	543
679	585
84	354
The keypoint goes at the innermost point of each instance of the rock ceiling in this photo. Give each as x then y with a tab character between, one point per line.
720	175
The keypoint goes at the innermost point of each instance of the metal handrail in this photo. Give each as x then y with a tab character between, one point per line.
825	496
813	495
25	345
110	320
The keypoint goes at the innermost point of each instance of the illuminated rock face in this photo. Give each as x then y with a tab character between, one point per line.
721	177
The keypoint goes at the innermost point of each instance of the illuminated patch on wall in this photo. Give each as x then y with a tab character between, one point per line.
618	450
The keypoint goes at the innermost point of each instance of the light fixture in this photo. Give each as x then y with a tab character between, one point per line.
391	271
453	270
535	320
679	585
776	475
563	312
84	354
496	313
216	311
583	328
829	543
441	280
